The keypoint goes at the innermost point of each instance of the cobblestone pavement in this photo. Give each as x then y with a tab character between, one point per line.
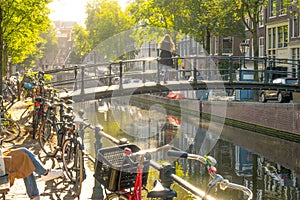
60	188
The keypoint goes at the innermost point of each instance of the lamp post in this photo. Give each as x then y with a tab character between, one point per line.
244	48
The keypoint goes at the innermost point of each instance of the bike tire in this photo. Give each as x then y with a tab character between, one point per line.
114	196
10	129
48	139
72	158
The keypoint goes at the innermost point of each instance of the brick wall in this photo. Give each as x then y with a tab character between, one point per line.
285	117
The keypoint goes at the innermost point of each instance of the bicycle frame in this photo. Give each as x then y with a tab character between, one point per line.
210	163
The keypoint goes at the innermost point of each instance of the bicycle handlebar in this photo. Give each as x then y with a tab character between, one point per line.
210	163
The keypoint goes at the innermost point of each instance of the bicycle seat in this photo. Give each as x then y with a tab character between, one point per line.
159	191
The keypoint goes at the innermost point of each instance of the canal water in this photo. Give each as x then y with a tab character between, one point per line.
270	167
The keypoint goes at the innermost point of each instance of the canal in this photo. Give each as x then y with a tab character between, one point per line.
270	167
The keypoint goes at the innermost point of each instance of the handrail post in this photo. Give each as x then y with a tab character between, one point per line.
110	78
230	69
82	79
121	75
194	71
176	68
158	68
265	70
144	69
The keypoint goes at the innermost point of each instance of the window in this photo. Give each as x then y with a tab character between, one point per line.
295	58
269	38
272	8
282	7
282	36
261	17
227	45
261	46
217	45
295	25
274	37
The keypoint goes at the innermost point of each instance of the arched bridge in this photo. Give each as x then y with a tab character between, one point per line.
139	76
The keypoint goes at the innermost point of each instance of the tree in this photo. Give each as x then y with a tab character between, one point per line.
81	43
249	11
156	18
104	19
21	22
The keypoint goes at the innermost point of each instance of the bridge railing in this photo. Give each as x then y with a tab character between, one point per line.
225	68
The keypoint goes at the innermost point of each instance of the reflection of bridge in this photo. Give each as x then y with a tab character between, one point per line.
140	76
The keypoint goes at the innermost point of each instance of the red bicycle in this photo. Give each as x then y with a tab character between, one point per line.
123	171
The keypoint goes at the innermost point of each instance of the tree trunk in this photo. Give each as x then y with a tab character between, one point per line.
1	49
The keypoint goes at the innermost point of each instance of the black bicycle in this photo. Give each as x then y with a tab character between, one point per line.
73	153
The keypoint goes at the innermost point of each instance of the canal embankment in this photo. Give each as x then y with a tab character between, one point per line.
273	119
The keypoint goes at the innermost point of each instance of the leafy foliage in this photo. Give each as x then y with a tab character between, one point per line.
22	23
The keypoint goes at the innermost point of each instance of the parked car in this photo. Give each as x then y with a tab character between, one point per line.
280	96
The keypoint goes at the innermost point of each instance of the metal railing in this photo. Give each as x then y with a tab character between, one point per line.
230	69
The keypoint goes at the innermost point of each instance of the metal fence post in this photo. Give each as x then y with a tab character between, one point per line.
265	70
158	70
230	69
121	75
82	79
176	68
110	78
144	69
195	71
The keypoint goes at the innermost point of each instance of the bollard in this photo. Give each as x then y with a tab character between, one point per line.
97	190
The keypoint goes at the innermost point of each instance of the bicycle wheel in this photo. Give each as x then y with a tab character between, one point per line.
10	129
113	196
48	139
72	158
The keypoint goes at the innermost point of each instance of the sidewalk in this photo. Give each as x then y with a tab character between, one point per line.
60	188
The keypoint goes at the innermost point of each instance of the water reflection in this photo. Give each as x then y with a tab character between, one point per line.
268	166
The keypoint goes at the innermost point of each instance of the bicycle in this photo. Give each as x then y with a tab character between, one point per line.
73	155
210	164
54	130
123	171
8	127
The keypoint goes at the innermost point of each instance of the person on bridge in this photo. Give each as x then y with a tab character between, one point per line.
166	48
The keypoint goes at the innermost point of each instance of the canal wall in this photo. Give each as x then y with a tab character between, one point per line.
274	119
282	117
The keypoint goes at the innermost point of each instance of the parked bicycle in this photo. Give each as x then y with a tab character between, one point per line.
73	153
54	130
217	179
8	127
123	171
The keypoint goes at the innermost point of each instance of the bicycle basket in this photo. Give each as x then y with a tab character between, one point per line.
115	174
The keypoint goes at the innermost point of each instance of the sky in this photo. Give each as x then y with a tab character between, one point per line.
71	10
